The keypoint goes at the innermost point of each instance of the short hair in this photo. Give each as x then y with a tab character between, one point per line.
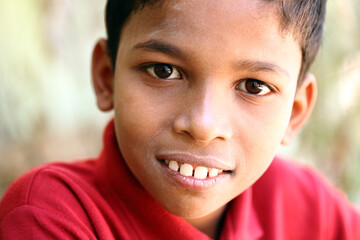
303	18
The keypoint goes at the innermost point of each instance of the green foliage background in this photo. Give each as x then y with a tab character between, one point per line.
48	111
331	140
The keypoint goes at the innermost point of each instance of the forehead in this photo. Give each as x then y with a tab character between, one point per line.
222	16
234	27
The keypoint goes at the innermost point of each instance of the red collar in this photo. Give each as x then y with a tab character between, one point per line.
241	221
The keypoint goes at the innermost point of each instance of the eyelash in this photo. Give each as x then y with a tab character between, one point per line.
171	70
241	86
260	86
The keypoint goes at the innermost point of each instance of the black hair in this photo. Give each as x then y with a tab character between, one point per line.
303	18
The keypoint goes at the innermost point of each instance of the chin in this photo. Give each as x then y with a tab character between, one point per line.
192	207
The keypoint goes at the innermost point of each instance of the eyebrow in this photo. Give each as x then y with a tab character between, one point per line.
159	46
260	66
171	50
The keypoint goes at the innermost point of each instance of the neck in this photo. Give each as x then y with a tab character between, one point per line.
209	224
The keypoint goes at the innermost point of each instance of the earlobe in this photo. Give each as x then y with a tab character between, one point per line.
303	105
102	76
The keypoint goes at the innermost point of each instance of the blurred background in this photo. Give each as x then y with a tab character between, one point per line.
48	110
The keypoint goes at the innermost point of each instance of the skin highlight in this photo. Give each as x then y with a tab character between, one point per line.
205	110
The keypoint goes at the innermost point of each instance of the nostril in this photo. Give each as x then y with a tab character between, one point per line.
202	131
181	125
203	121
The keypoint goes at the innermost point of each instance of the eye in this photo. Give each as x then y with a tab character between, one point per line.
254	87
163	71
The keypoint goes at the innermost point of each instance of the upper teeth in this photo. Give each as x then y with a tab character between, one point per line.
201	173
187	170
173	165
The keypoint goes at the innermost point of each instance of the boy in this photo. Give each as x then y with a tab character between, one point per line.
203	94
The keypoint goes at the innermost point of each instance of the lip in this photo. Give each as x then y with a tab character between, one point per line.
205	161
191	182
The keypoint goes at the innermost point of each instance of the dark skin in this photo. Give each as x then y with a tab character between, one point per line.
215	88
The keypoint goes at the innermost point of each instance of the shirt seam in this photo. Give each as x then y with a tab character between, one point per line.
27	195
31	184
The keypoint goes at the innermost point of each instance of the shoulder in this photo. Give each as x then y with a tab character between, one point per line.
288	173
297	195
45	185
295	179
45	200
292	184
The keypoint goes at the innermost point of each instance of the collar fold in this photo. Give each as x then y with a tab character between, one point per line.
149	217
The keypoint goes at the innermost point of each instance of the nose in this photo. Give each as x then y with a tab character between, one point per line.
205	116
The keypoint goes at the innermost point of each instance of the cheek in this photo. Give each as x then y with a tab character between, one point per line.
271	125
140	115
259	133
137	122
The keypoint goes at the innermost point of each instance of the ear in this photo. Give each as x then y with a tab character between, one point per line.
303	105
102	76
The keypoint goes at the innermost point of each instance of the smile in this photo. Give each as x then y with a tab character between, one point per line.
195	172
188	170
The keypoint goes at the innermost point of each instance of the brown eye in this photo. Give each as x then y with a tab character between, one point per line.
254	87
164	71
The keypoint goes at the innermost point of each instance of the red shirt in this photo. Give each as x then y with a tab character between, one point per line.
101	199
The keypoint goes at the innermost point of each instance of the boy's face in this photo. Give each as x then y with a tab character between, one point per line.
207	83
